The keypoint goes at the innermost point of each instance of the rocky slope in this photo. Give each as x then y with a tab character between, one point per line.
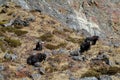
49	21
89	17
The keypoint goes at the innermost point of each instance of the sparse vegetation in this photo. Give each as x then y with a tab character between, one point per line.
91	73
59	32
2	46
12	42
75	40
18	32
52	46
3	22
47	37
112	70
67	30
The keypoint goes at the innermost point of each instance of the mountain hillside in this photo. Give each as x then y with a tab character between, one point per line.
62	26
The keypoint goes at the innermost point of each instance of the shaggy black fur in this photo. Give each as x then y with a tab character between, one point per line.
85	46
36	58
38	46
92	39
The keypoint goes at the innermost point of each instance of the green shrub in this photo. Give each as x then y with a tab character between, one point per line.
12	42
47	37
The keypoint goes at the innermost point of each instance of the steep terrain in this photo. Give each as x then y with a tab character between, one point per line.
51	21
90	17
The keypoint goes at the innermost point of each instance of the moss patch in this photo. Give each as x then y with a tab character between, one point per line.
102	71
59	32
47	37
91	73
52	46
75	40
3	22
2	46
18	32
12	42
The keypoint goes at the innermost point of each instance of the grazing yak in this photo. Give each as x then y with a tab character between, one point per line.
39	46
36	58
92	39
85	46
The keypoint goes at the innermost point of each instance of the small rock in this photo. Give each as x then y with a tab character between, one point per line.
116	45
89	78
104	57
48	54
78	58
42	71
20	22
75	53
68	72
2	67
1	77
12	57
61	50
54	52
7	56
72	78
37	64
20	67
36	76
105	77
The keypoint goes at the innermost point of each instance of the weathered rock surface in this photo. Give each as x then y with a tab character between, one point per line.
94	16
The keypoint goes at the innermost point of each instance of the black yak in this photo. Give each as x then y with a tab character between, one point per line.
39	46
85	46
92	39
36	58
